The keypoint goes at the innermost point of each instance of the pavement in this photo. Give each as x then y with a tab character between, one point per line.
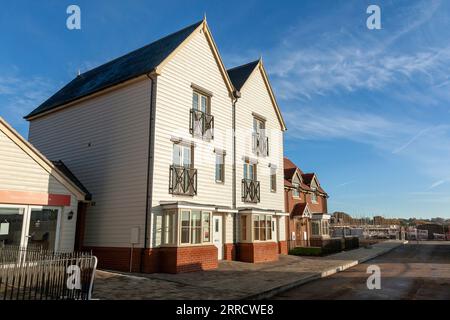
233	280
410	272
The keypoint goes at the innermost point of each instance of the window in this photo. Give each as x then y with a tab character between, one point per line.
262	227
258	126
244	228
185	218
169	227
220	167
273	179
195	227
206	226
325	228
315	228
183	175
314	197
182	155
200	102
249	171
260	144
295	191
201	121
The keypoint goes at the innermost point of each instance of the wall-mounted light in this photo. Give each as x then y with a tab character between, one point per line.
70	215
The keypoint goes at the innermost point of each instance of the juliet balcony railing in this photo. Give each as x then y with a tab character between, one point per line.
182	181
260	144
201	124
250	191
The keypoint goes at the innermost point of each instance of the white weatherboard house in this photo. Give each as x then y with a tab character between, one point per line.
39	199
150	134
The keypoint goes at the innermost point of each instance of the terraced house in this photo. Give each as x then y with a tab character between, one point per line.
306	202
151	135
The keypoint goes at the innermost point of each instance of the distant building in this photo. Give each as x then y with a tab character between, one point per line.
432	228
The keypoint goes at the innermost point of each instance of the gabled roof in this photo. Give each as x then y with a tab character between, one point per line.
239	76
290	169
131	65
146	60
300	209
309	177
40	159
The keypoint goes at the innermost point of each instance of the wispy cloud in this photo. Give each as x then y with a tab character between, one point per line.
20	94
437	184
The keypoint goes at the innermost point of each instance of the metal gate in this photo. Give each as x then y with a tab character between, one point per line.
36	274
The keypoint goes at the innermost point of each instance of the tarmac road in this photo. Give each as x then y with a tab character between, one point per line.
412	271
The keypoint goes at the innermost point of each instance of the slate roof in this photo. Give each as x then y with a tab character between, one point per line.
240	74
66	171
127	67
289	170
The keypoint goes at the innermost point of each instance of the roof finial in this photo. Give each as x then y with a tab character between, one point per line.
204	16
79	72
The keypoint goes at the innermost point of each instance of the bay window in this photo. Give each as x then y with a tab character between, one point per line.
169	226
195	227
244	228
315	228
262	227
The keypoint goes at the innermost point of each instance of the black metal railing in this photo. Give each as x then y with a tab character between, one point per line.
182	181
201	124
250	191
260	144
36	274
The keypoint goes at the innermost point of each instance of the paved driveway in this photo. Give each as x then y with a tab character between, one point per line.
232	280
412	271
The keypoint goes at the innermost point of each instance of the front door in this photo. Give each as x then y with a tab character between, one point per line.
218	235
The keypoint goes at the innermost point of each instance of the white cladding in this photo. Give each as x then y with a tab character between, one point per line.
20	172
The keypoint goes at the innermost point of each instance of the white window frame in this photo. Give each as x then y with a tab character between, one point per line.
220	155
190	244
27	219
265	218
273	184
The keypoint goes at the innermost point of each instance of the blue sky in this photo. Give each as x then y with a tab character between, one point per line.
367	110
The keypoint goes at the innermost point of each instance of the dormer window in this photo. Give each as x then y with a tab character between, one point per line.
295	191
314	196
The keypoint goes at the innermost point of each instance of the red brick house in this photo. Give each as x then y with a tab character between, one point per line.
306	203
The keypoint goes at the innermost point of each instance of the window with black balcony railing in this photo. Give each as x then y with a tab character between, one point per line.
260	144
182	181
201	124
250	191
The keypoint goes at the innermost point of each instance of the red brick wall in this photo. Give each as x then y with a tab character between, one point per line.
169	260
258	252
282	247
116	258
229	252
188	259
320	206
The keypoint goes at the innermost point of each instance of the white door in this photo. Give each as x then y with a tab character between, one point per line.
218	235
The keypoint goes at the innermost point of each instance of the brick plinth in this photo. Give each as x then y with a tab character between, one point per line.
187	259
229	252
168	260
258	252
117	258
282	247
